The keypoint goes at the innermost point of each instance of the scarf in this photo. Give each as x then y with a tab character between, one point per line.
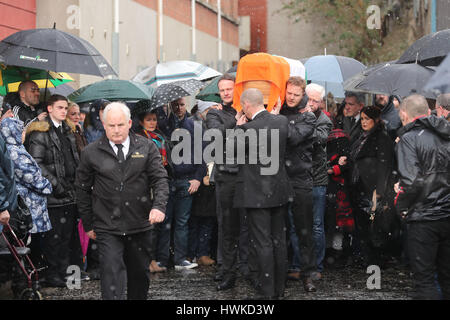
160	142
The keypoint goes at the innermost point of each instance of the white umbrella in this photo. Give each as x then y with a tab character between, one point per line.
297	68
171	71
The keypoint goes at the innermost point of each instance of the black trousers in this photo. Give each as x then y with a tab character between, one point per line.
234	234
429	253
124	264
268	246
303	223
56	242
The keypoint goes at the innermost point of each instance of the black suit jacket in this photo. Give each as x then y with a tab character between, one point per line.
253	189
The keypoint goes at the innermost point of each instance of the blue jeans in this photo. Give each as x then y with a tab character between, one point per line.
319	206
178	212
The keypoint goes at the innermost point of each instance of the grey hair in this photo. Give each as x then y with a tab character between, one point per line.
317	88
415	105
444	101
358	96
114	106
253	96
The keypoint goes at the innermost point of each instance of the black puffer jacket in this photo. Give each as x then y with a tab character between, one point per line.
299	147
323	129
43	144
423	155
118	200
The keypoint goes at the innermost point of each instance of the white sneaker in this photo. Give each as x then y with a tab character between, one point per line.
185	265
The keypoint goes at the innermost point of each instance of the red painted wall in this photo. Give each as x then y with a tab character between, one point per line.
16	15
257	10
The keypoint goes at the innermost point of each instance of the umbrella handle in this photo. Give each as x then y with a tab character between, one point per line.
46	83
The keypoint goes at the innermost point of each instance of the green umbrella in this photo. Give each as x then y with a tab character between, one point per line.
11	76
211	91
113	90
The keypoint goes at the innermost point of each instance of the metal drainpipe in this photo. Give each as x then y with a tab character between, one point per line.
194	39
219	34
433	16
115	38
160	52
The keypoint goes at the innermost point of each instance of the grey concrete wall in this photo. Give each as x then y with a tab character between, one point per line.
293	39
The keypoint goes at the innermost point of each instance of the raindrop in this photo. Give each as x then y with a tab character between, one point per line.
63	220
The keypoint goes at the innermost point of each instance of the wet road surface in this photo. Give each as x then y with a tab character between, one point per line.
197	284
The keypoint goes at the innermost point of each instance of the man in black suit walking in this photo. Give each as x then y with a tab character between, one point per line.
264	190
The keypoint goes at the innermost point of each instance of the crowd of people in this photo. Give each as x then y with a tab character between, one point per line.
359	183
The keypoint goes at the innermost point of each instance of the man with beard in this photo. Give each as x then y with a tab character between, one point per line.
299	169
26	110
323	126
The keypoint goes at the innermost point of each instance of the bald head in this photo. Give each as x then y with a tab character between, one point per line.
252	101
413	107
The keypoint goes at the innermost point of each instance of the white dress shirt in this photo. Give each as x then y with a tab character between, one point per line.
126	147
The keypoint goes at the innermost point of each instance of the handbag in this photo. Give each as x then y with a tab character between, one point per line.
21	220
381	219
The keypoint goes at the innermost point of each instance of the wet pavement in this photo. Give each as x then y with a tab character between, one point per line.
196	284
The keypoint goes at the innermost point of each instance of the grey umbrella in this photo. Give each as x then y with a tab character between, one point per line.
440	81
396	79
169	92
55	50
429	50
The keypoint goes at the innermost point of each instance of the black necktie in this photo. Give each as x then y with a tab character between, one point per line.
120	155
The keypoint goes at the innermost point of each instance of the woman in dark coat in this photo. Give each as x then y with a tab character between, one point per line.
148	127
371	165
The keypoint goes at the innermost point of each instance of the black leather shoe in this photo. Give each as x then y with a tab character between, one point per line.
309	285
218	276
226	284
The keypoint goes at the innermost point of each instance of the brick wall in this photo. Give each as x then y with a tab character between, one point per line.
16	15
257	10
206	19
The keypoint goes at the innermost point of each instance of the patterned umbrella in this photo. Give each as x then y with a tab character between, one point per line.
169	92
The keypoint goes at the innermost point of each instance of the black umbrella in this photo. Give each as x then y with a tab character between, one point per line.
55	50
429	50
396	79
440	81
351	83
169	92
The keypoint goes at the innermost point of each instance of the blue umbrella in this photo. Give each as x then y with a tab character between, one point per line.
440	81
331	71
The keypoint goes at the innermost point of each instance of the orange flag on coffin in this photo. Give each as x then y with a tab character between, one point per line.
265	72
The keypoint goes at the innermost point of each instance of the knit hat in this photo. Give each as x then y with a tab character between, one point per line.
372	112
205	105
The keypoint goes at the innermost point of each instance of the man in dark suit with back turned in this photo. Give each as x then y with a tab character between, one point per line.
264	191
